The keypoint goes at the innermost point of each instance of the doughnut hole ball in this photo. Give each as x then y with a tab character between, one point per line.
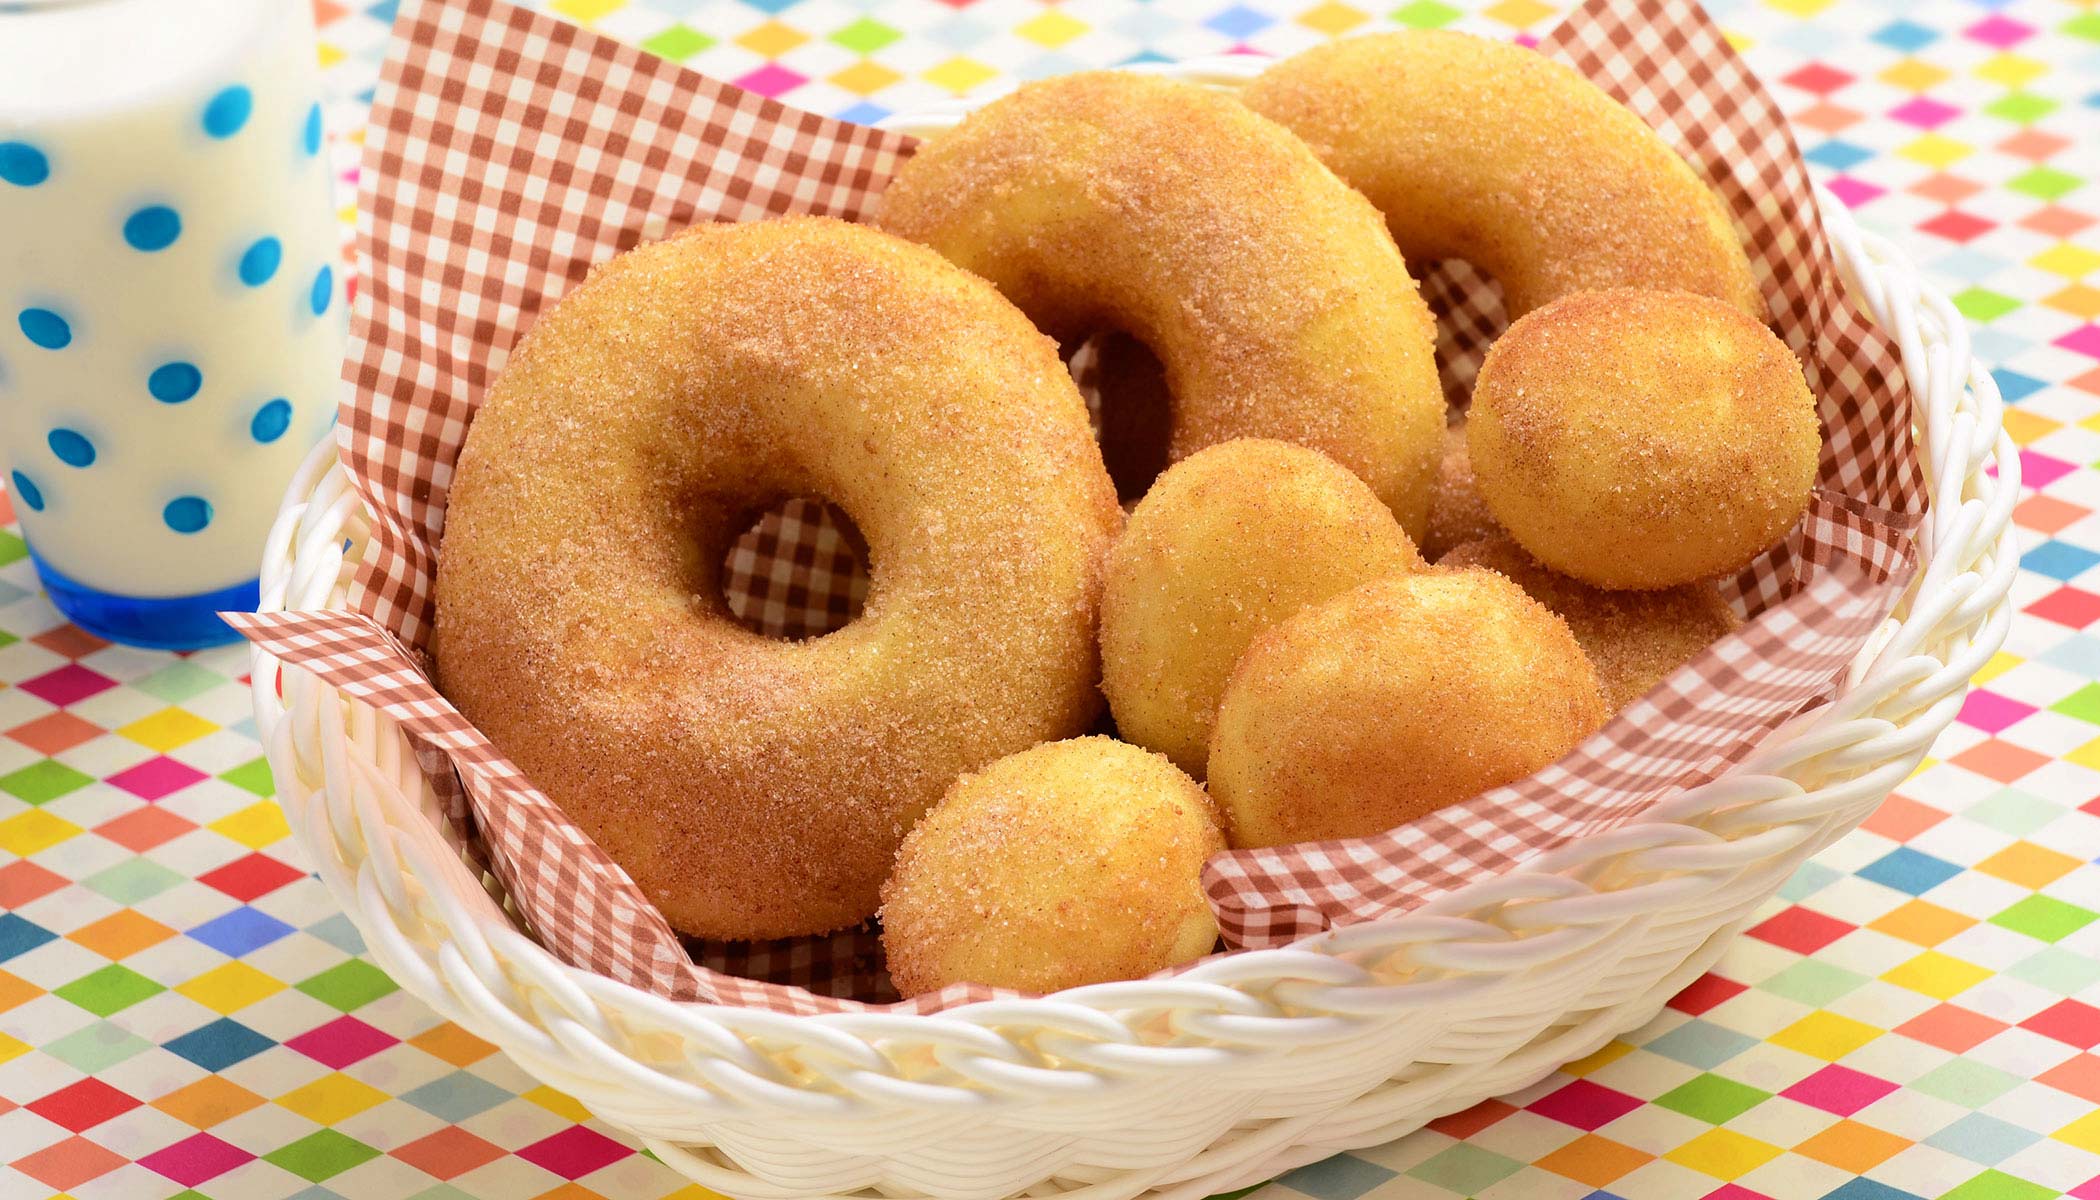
1391	701
1228	542
1637	439
1076	862
1634	639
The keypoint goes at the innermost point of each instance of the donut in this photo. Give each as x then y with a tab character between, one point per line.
1488	152
1228	542
1457	514
1393	700
1637	439
1633	639
1269	291
751	787
1076	862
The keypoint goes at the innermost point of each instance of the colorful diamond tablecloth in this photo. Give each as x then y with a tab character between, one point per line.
183	1012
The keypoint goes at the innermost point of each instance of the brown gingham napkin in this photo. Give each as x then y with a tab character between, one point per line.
510	151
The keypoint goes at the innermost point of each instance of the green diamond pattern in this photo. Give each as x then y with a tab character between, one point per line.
678	43
179	681
1966	1082
2045	917
2085	25
252	776
97	1048
349	985
41	782
2045	183
133	880
1712	1099
321	1155
2083	704
865	36
1983	304
2021	108
1425	14
1813	983
1997	1185
112	989
1465	1168
12	549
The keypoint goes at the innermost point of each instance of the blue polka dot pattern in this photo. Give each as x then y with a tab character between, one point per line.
228	111
271	420
72	447
187	514
175	382
23	165
154	227
311	137
27	492
323	291
45	328
259	264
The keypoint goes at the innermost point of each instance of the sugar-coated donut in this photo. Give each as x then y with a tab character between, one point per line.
1269	290
1634	639
757	788
1073	863
1488	152
1457	514
1391	701
1638	439
1229	541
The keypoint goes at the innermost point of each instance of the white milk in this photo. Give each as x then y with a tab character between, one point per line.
171	293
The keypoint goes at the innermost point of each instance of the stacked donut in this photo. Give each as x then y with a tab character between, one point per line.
1280	660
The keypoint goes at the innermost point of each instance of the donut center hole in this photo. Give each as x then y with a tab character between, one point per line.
1470	315
1132	410
798	571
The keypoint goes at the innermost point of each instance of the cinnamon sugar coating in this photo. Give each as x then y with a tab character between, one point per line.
1391	701
1634	639
1269	290
756	788
1229	541
1638	439
1073	863
1492	153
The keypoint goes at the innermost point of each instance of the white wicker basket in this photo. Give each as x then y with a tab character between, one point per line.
1243	1067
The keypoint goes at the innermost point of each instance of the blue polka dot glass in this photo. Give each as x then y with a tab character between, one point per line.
172	308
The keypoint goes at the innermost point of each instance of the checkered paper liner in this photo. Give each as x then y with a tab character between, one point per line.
509	152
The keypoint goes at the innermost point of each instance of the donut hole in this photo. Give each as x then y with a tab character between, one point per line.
1131	409
798	570
1470	315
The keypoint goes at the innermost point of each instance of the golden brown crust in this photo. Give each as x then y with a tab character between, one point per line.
1228	542
756	788
1634	639
1394	700
1073	863
1484	151
1269	290
1637	439
1457	514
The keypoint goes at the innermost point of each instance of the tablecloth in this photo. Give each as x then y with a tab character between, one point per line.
183	1011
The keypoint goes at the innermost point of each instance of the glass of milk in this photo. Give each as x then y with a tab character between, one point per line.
172	304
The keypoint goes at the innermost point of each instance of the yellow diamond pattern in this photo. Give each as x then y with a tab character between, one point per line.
35	830
2068	259
258	825
959	75
1332	18
771	39
331	1098
1052	28
167	729
865	77
228	989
